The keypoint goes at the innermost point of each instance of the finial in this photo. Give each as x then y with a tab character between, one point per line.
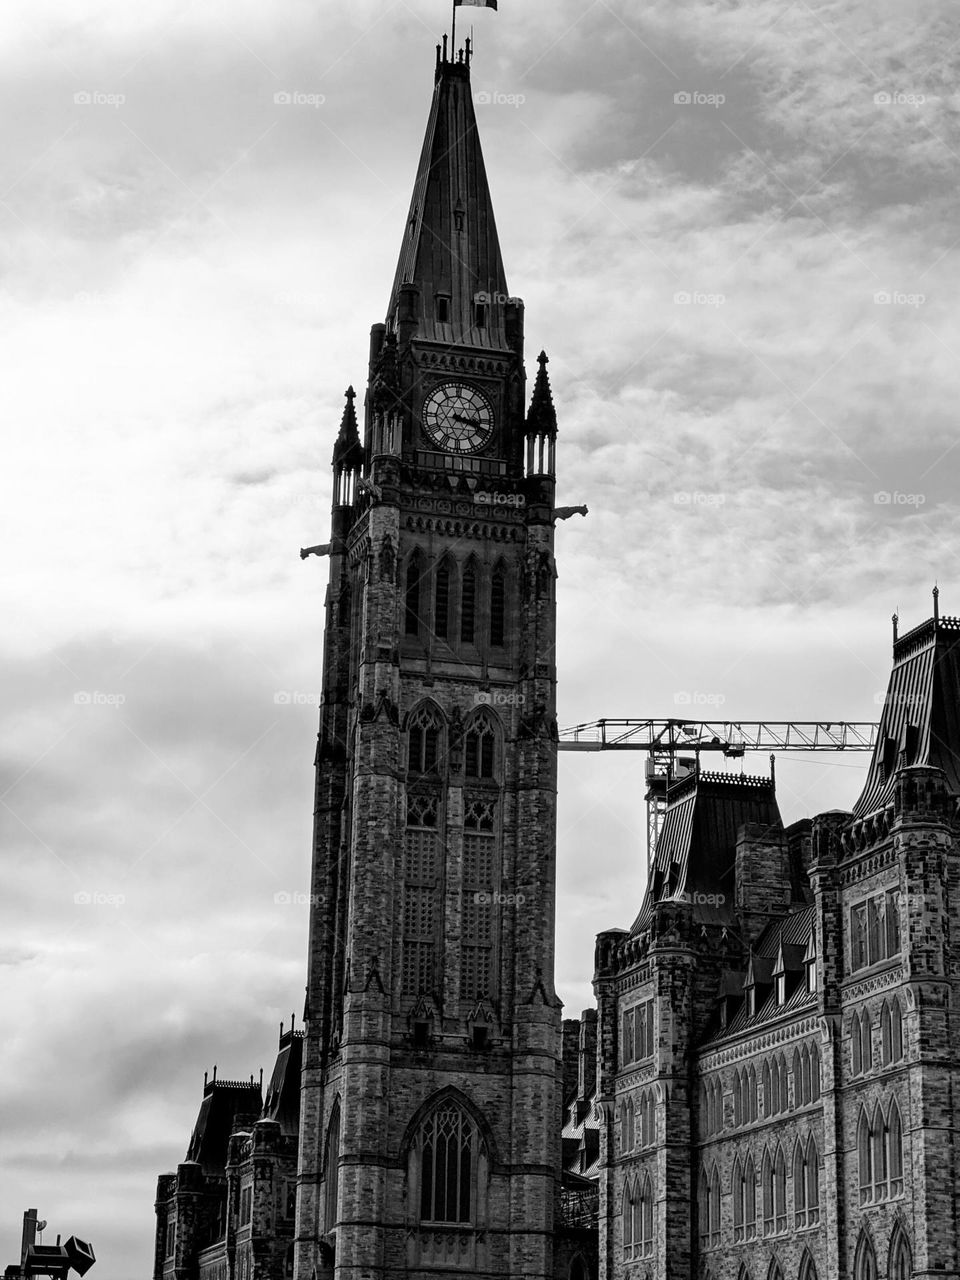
773	768
293	1021
895	619
936	603
350	393
281	1029
261	1079
214	1073
204	1080
444	46
543	359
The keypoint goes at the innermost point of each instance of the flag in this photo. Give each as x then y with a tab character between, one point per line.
477	4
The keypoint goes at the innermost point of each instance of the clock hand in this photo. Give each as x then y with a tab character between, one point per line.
471	422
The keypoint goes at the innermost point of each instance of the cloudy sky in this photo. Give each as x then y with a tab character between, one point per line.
734	228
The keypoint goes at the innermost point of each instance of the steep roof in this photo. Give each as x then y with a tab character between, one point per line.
920	721
282	1099
696	849
224	1102
450	247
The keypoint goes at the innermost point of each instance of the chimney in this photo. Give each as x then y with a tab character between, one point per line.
570	1056
587	1055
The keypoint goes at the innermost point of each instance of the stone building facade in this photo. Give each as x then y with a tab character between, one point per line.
778	1029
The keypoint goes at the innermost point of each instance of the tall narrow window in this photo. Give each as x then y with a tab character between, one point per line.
865	1260
766	1180
331	1160
799	1187
441	602
866	1041
423	740
411	616
750	1198
443	308
894	1136
498	607
421	896
448	1157
479	749
646	1218
480	882
780	1192
631	1205
813	1182
865	1158
856	1046
808	1268
715	1208
751	1094
468	604
703	1210
739	1205
899	1264
896	1030
814	1073
769	1107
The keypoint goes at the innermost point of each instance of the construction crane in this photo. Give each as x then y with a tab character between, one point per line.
664	740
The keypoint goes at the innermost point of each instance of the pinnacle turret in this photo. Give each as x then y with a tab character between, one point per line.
348	437
542	416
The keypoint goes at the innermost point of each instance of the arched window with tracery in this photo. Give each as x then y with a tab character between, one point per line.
422	894
480	748
331	1161
481	879
891	1032
630	1219
424	736
899	1261
449	1147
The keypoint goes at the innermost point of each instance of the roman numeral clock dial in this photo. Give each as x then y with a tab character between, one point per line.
458	417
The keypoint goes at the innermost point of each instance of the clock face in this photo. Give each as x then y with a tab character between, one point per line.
458	418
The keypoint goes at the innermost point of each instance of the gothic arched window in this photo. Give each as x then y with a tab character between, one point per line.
468	604
331	1160
865	1157
646	1218
808	1268
737	1186
715	1207
411	597
449	1146
479	749
865	1259
894	1143
498	606
627	1126
441	601
899	1262
424	728
751	1107
630	1218
750	1198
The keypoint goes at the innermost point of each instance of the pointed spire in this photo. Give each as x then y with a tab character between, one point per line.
450	284
348	437
936	604
542	417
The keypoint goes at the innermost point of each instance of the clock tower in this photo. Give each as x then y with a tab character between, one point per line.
430	1135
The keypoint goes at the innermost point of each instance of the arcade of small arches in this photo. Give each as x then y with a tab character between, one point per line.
774	1218
463	605
765	1095
862	1057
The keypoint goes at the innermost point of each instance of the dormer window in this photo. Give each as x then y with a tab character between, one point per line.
781	988
810	964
